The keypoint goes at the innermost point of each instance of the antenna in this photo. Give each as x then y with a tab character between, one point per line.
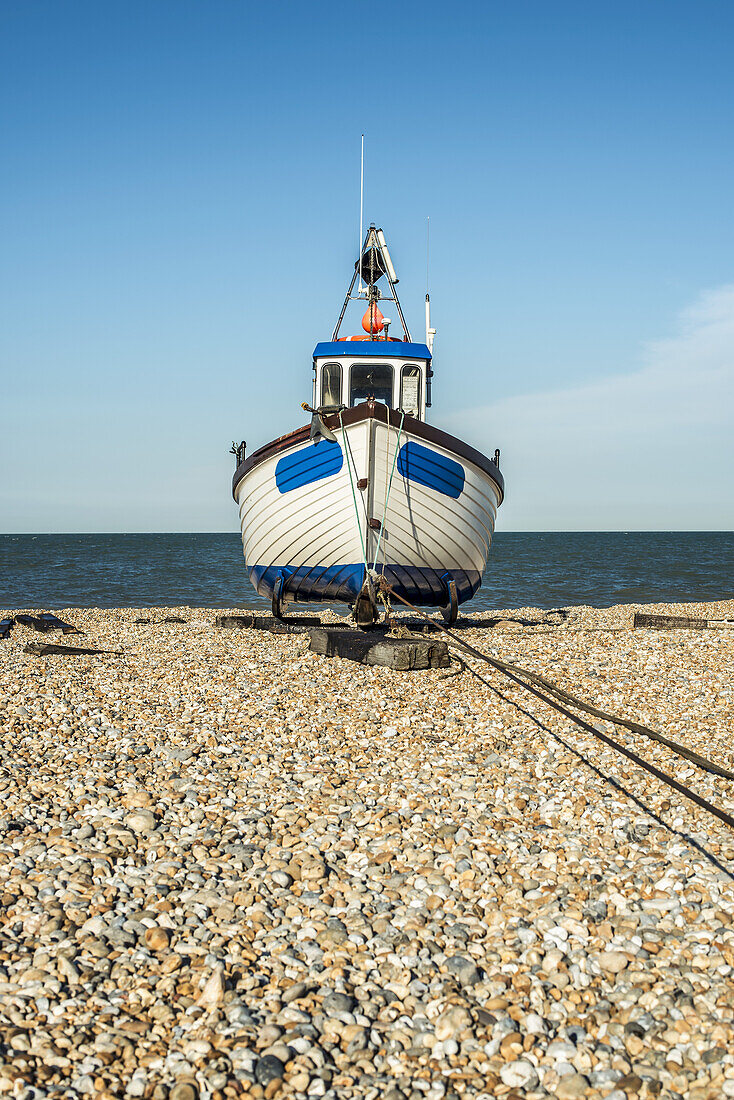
360	243
428	249
430	332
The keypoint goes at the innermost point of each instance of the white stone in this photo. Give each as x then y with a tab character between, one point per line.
520	1074
213	991
614	962
140	821
451	1022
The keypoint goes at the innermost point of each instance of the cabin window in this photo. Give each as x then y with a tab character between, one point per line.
371	380
331	384
410	389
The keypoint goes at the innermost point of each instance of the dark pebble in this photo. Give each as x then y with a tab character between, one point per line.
463	969
630	1083
268	1069
336	1003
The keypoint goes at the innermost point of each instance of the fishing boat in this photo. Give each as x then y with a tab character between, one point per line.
368	500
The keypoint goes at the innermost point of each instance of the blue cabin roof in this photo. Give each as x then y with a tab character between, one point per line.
395	349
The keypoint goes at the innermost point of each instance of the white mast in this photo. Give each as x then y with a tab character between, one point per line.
430	332
360	242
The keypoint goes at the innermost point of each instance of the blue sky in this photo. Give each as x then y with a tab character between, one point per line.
178	210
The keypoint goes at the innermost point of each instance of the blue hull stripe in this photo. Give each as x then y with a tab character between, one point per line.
427	467
322	459
342	583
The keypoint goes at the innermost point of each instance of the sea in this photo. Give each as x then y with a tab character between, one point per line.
525	569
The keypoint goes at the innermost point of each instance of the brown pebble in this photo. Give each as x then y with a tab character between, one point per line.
511	1046
170	963
157	939
184	1090
630	1083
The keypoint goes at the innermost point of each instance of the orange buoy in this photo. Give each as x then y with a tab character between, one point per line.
377	319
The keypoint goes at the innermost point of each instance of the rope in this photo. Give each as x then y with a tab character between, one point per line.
722	815
348	449
384	503
635	727
574	701
514	673
389	484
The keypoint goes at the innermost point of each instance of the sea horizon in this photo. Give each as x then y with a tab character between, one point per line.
519	531
541	569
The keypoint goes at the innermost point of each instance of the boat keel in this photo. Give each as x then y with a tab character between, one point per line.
278	597
450	611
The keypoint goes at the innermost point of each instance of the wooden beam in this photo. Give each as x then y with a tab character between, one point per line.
673	622
376	648
251	621
43	649
45	622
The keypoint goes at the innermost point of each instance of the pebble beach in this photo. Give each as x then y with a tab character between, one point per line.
230	867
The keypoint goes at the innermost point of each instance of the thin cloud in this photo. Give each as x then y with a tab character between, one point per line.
652	448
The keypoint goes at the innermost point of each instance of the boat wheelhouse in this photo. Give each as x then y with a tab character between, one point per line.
397	374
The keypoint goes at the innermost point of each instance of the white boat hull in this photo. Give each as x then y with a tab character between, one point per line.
409	502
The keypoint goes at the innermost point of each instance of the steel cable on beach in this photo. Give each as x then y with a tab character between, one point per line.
516	674
635	727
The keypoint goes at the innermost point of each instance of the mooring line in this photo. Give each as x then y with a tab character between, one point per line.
631	755
514	673
635	727
388	485
350	461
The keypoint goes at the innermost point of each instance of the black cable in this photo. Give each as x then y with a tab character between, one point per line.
514	673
